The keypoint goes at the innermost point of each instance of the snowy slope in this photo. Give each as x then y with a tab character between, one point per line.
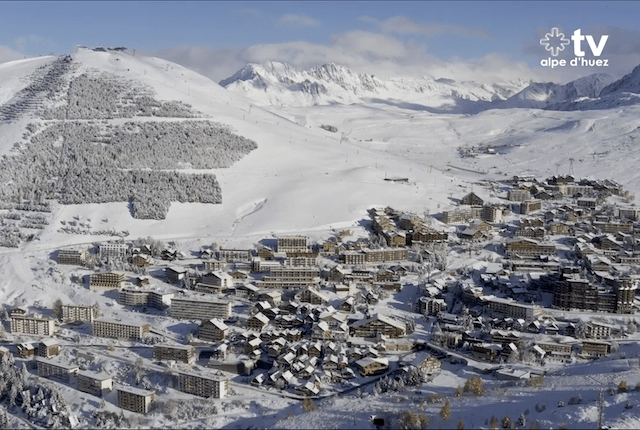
303	178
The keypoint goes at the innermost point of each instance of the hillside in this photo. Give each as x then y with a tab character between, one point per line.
303	178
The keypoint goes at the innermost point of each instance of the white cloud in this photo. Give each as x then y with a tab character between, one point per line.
8	54
363	51
292	20
406	25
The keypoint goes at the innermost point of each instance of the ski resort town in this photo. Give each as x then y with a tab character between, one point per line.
386	303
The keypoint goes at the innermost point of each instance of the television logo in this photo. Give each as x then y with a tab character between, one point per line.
555	42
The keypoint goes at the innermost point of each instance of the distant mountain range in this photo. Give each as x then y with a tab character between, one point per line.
280	84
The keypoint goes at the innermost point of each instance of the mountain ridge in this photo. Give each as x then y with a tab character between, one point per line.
280	84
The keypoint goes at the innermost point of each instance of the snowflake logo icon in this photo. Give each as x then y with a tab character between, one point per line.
554	41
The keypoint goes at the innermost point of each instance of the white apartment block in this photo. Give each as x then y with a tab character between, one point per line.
216	386
292	244
55	369
71	313
119	330
92	382
199	308
133	297
72	256
498	306
24	324
113	250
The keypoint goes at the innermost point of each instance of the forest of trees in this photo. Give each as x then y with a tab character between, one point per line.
90	162
107	96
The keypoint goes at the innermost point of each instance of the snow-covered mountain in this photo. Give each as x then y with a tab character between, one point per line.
629	83
280	84
542	95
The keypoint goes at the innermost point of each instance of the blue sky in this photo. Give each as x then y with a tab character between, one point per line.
433	38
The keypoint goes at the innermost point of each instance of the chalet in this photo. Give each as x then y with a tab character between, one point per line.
486	351
142	260
309	295
176	274
430	305
48	348
213	330
505	337
597	330
372	366
257	322
248	291
471	199
253	345
258	380
26	350
425	235
594	348
234	255
273	297
379	324
219	279
309	389
347	305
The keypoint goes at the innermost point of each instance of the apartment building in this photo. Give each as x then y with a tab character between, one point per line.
199	308
290	277
216	386
234	255
76	257
134	399
528	248
498	306
93	382
106	281
81	313
119	330
292	244
133	297
430	305
25	324
183	353
54	369
113	250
